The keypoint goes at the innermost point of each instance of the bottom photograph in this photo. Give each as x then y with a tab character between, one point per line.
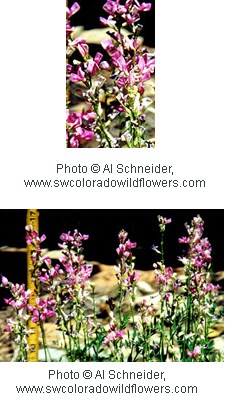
81	285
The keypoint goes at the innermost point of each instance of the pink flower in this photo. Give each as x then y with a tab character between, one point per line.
79	76
19	297
81	45
114	7
131	18
74	142
79	127
87	116
196	352
113	335
163	222
32	237
119	61
74	9
9	328
134	276
43	309
184	239
76	271
5	281
207	288
109	22
44	278
93	64
143	6
69	29
127	275
86	134
163	275
108	45
76	239
122	236
111	6
120	334
167	296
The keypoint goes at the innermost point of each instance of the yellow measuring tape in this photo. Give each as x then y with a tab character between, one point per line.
32	219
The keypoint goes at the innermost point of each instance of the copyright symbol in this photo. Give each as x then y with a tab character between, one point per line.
95	168
87	374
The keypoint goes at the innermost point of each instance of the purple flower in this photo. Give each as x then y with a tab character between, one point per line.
164	275
122	236
32	236
129	11
163	222
79	76
109	22
43	309
195	353
184	239
73	10
143	6
5	281
81	45
113	335
127	275
79	127
19	297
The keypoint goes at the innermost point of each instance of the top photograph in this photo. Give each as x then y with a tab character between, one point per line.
110	74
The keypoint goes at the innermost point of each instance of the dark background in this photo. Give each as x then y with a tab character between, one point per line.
103	227
91	10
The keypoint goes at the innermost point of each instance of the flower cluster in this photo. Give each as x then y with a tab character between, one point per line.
146	312
163	222
198	259
163	275
195	311
72	272
72	241
79	127
129	12
69	13
173	324
19	297
129	66
126	274
113	335
17	324
76	270
42	310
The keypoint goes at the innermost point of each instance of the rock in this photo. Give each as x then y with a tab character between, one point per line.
53	355
105	280
145	288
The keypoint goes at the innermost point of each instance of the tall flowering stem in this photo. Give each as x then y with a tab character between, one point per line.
127	276
114	341
65	283
146	328
173	324
128	67
76	274
82	127
132	67
200	291
164	277
17	324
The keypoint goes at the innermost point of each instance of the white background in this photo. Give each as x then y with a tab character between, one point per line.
190	130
